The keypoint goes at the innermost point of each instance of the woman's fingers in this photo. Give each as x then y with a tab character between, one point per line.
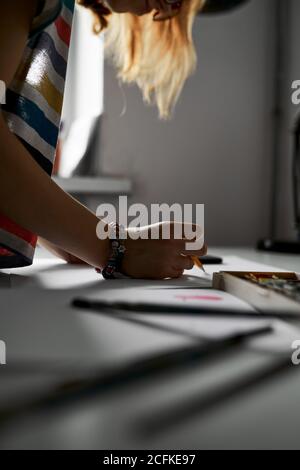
163	253
174	264
201	252
181	247
175	273
183	262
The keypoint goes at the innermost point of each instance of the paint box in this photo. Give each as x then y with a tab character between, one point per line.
263	299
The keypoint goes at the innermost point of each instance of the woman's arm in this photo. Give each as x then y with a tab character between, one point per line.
27	193
58	252
34	201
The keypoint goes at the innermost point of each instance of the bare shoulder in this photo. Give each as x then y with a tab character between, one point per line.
15	21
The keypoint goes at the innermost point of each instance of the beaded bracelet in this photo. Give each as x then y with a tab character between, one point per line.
113	266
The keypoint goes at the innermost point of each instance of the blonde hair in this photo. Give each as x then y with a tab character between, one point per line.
156	55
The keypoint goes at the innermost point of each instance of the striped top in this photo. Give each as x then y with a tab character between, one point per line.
33	110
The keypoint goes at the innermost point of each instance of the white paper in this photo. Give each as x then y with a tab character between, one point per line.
203	327
200	299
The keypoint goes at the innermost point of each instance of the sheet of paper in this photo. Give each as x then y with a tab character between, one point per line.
203	327
200	299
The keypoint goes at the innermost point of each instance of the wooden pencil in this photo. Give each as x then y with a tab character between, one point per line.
198	263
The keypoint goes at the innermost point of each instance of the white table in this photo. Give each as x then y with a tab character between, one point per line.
37	320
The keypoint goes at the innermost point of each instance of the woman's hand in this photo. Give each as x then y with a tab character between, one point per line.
159	258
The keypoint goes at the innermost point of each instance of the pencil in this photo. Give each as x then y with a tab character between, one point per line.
198	263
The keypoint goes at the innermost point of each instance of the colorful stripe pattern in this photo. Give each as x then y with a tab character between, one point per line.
33	111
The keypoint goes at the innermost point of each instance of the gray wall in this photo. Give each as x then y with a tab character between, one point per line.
217	148
285	226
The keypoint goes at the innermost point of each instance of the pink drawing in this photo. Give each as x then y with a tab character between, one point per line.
213	298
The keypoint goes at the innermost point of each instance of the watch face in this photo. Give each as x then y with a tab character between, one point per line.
220	6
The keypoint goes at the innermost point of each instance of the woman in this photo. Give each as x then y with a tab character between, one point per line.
34	42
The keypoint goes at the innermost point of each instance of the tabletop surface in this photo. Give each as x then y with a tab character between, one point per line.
245	398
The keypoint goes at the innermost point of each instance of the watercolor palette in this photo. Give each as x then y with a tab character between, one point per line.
269	292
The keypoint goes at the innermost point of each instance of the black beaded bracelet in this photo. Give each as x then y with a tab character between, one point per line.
112	270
